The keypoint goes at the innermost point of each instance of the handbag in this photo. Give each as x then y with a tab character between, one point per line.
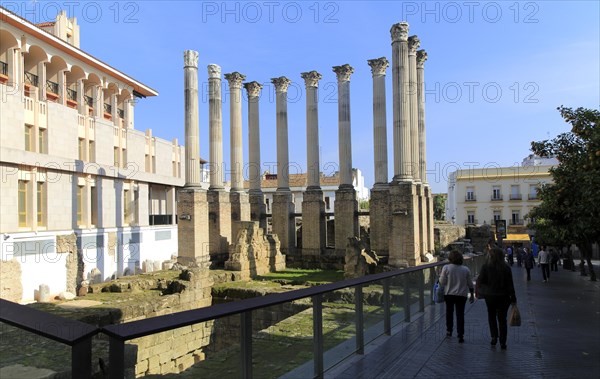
514	318
438	293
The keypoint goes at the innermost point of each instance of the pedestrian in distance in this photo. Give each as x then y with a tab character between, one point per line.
554	259
520	256
510	254
528	262
458	284
544	263
497	288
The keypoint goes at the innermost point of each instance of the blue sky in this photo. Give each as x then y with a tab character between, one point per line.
496	70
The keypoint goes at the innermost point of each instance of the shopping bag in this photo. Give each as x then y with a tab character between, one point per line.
438	293
514	317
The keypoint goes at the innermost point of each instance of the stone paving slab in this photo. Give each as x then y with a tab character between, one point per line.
559	338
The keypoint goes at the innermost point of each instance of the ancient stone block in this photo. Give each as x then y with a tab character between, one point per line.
360	259
10	280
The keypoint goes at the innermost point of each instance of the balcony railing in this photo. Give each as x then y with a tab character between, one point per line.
71	94
516	222
470	198
472	222
160	219
496	197
89	101
31	79
4	68
107	108
515	196
51	87
120	113
532	196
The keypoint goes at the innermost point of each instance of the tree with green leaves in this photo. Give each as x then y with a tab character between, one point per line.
439	207
570	209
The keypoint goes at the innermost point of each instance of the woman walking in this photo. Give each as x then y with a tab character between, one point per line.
458	283
529	262
497	287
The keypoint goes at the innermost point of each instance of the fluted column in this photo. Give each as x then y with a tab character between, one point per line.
281	87
311	80
413	45
192	141
257	201
379	203
378	68
313	206
235	80
215	126
421	58
401	109
283	207
345	138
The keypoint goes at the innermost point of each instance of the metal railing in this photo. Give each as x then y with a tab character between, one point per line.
78	335
73	333
473	222
516	222
89	101
51	87
470	198
120	113
71	94
515	196
496	197
532	196
3	68
160	219
107	108
31	79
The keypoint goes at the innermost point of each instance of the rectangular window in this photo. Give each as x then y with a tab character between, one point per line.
126	207
116	160
80	198
124	157
136	201
23	195
515	192
327	202
497	216
41	204
533	192
470	194
94	208
515	218
92	151
496	195
471	218
42	141
28	137
81	147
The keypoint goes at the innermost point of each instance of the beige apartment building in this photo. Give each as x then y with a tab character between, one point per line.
482	195
72	160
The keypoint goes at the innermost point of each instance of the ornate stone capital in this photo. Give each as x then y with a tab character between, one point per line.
253	89
421	58
378	66
343	72
190	58
214	71
281	83
399	32
413	44
235	79
311	78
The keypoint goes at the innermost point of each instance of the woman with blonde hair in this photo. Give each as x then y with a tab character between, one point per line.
458	283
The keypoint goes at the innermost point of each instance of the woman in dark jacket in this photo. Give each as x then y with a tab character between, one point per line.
497	287
529	262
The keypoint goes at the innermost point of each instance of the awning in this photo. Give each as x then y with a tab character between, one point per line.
517	237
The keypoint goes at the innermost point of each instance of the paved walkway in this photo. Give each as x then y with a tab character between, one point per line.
559	338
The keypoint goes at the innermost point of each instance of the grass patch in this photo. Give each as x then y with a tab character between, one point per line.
304	277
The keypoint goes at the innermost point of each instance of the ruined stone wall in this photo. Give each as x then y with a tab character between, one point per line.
10	280
445	234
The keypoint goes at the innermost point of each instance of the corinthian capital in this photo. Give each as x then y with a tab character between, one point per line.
281	83
343	72
190	58
311	78
253	89
399	32
235	79
378	66
413	44
421	58
214	71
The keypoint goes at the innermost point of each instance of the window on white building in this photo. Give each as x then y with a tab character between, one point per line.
515	192
42	141
533	191
497	216
496	195
41	203
23	203
29	138
470	194
515	217
471	217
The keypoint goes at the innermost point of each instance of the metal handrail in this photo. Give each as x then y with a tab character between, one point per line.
71	94
73	333
31	78
120	113
51	86
89	101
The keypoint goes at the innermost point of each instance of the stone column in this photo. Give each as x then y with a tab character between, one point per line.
346	205
379	207
313	206
421	58
401	109
219	206
192	138
257	198
192	205
283	207
240	205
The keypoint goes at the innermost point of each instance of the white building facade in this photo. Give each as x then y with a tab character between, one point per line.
482	195
73	162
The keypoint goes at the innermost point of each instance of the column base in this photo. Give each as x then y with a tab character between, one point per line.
219	215
346	218
313	222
